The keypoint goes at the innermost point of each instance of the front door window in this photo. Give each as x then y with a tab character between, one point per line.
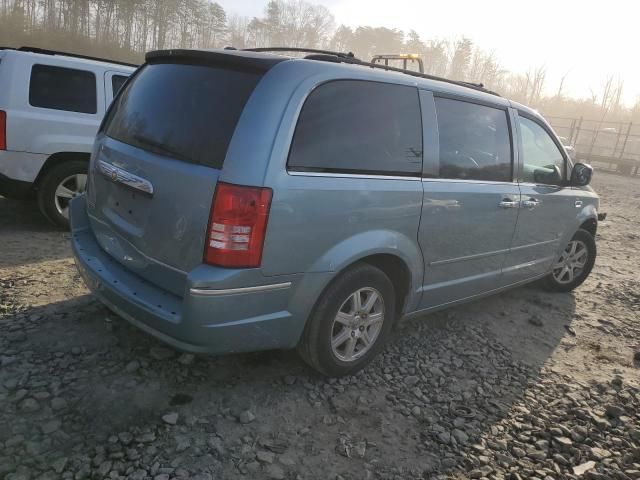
543	163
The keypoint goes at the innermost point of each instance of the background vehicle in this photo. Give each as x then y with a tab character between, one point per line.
290	209
51	105
569	148
405	60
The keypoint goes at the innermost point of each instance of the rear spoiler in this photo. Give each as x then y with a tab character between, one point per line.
232	58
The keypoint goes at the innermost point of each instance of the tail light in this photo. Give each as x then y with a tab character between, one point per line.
3	130
237	226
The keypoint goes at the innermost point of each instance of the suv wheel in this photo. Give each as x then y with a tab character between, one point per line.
60	185
350	323
575	263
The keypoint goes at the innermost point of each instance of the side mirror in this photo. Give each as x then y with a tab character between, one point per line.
581	175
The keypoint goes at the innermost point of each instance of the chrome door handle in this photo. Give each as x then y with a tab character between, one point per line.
578	203
531	203
509	203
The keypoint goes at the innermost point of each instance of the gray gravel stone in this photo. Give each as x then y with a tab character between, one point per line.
30	405
58	404
170	418
275	472
246	417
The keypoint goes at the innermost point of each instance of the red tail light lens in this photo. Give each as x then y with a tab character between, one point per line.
237	226
3	130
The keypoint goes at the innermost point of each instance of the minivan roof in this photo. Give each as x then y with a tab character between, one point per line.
260	58
302	67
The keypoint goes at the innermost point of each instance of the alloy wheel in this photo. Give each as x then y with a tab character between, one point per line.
571	263
69	188
357	324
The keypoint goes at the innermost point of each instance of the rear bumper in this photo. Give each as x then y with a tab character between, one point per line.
21	166
220	320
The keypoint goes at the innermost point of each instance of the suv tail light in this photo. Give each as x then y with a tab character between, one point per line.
237	226
3	130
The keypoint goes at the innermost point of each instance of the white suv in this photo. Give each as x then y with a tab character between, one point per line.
51	105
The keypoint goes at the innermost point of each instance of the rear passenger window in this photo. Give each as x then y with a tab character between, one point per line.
117	81
474	141
61	88
349	126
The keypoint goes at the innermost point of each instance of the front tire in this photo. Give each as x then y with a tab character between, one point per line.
351	322
60	185
574	265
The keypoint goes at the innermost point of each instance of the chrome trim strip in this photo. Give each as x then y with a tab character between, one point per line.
233	291
120	175
352	175
470	257
537	244
462	180
532	263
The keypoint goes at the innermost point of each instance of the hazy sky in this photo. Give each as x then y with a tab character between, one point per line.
589	39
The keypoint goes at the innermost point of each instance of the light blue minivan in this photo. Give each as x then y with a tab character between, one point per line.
242	200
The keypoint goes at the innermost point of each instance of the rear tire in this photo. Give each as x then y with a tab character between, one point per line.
59	185
574	265
350	323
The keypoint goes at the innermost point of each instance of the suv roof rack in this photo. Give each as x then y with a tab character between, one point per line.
45	51
349	57
302	50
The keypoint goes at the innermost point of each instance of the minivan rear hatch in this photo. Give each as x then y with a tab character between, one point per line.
158	156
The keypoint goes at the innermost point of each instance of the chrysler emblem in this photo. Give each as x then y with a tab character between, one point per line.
114	175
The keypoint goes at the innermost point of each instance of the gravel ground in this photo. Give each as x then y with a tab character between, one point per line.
523	385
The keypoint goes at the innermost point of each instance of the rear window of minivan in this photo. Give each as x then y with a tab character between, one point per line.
187	112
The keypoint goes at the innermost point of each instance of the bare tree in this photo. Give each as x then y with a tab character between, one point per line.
125	29
535	84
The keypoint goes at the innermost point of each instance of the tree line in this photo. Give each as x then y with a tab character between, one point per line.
125	29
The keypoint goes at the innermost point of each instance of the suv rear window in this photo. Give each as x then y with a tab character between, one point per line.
62	88
187	112
354	126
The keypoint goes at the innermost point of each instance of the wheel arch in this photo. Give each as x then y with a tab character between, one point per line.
57	159
590	225
393	252
398	272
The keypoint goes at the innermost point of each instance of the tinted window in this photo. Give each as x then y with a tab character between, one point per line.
542	160
359	127
63	89
117	81
474	141
188	112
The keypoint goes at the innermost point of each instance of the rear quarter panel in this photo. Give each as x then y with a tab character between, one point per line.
323	223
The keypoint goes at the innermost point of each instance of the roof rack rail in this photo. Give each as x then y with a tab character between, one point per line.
45	51
351	59
301	50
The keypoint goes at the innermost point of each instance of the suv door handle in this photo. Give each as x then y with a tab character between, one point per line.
531	203
509	203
